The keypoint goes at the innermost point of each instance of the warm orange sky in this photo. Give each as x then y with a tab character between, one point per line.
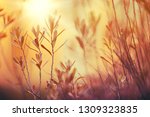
29	13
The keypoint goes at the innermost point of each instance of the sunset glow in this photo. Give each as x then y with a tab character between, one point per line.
75	49
38	10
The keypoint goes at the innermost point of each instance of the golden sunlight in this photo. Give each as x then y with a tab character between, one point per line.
37	9
74	49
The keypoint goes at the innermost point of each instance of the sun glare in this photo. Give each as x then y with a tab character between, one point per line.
38	10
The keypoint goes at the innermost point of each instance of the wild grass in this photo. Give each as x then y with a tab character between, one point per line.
125	56
127	44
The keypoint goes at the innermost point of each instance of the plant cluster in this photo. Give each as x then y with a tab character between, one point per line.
125	58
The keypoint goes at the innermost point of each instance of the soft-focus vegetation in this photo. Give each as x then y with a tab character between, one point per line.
115	56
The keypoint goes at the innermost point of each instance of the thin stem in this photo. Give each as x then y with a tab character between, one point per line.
26	64
139	65
52	64
25	78
40	82
28	75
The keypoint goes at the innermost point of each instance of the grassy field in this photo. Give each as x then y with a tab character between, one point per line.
97	53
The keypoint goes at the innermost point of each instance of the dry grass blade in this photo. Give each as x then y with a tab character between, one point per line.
46	49
81	43
15	60
31	48
1	9
71	77
60	33
2	35
106	60
60	46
